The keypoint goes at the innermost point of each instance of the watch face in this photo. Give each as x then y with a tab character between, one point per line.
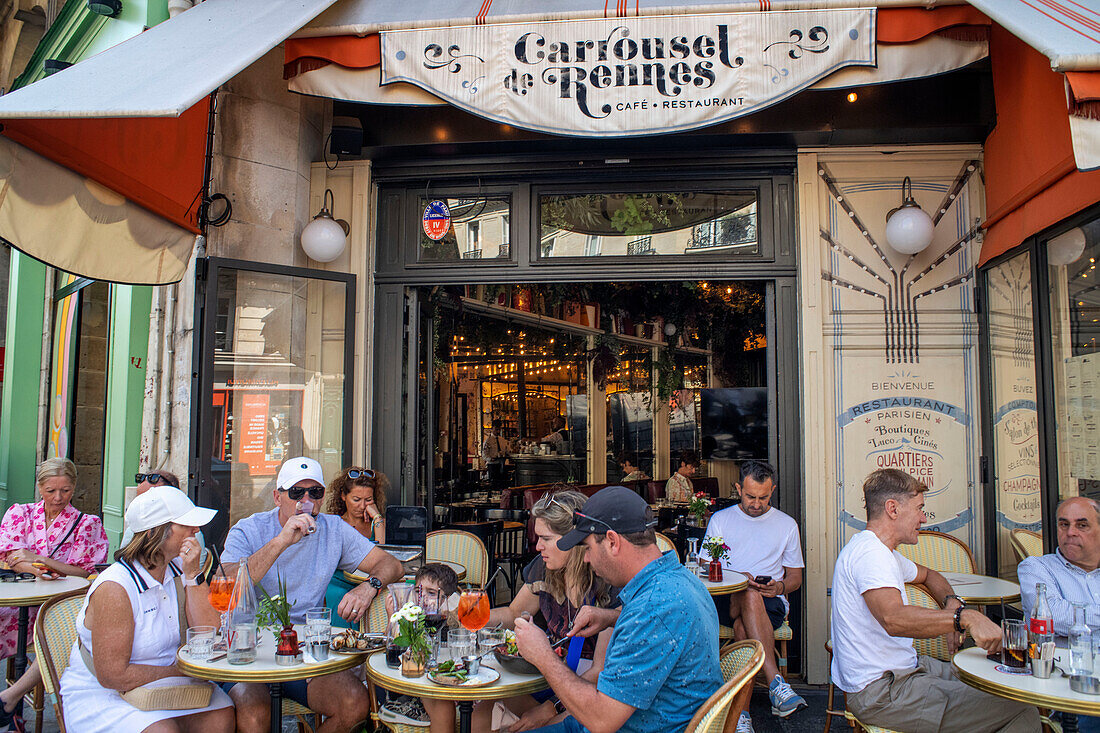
375	583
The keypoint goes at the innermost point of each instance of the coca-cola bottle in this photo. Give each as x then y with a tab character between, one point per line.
1042	622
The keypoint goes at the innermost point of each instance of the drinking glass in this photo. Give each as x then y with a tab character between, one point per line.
200	642
473	609
318	632
462	643
1014	643
221	591
489	639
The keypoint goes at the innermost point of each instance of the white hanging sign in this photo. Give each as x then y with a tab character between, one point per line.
629	76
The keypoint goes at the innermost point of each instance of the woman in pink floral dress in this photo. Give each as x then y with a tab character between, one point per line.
57	536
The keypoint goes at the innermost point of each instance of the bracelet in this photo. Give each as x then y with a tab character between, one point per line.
784	591
958	620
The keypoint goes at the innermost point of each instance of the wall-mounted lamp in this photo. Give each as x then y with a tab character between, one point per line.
908	228
324	238
1067	248
107	8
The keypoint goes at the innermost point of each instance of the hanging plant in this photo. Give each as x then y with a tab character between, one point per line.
604	358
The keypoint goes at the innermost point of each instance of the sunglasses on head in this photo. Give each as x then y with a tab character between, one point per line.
153	478
297	492
356	473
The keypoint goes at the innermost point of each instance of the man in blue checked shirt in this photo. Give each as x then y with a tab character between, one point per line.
662	660
1071	574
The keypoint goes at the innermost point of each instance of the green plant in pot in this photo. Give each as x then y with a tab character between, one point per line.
414	636
274	613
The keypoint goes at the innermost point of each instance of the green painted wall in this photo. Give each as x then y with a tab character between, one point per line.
22	365
127	352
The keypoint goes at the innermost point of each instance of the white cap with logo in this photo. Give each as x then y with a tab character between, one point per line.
299	469
163	504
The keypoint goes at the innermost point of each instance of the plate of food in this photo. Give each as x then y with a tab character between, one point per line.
507	654
351	641
454	674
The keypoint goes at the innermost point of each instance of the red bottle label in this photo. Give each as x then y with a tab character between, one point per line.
1042	626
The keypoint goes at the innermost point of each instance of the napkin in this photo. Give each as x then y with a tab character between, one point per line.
502	717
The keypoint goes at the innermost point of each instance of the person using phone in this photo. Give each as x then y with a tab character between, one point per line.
768	552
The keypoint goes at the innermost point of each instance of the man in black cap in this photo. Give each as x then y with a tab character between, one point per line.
662	661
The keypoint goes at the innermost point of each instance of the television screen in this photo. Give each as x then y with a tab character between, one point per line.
734	423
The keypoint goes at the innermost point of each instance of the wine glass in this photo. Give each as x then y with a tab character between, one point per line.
473	609
221	593
434	604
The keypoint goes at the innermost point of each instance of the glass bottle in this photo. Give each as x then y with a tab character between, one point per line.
1080	643
242	619
1042	621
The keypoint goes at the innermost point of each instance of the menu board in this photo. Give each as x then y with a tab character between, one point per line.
1082	379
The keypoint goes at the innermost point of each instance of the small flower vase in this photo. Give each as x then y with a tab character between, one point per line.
286	650
413	664
714	571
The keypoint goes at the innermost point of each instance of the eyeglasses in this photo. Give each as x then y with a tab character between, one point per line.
577	516
355	473
153	478
297	492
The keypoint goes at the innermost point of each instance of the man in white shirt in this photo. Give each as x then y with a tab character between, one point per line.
874	662
764	545
494	451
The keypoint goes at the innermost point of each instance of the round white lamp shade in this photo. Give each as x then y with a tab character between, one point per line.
1066	248
323	239
909	230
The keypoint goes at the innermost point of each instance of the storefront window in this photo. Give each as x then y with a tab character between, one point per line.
475	228
1075	327
639	224
277	343
1015	423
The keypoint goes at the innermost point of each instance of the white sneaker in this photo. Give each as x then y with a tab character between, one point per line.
744	724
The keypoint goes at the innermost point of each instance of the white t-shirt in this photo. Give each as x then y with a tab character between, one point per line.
862	650
761	545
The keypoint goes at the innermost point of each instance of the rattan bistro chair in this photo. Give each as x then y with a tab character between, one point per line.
461	547
941	552
664	544
54	636
918	595
740	663
1026	543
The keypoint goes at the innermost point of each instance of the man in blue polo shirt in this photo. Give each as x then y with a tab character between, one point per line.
662	661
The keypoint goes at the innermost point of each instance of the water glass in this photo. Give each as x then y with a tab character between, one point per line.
489	639
462	643
200	642
318	632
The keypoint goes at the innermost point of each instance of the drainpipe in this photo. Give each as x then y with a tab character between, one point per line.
44	373
150	411
167	390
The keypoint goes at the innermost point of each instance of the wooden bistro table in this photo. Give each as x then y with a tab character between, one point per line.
24	594
509	685
355	577
979	672
265	670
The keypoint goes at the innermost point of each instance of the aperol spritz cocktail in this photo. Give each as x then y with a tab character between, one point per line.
221	590
473	609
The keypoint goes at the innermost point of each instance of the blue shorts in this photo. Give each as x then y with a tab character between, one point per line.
777	612
295	690
569	725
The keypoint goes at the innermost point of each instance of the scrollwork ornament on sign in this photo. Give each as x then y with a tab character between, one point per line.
818	35
434	59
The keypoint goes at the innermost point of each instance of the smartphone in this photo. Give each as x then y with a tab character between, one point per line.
762	579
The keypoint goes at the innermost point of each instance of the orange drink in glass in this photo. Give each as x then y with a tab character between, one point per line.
473	609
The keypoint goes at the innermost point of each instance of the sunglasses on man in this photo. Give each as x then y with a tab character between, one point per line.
297	492
152	478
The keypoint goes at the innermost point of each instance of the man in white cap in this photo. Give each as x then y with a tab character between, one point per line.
298	545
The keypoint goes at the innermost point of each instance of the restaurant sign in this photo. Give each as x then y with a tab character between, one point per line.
629	76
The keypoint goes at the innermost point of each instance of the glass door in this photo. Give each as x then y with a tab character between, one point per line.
1014	474
275	358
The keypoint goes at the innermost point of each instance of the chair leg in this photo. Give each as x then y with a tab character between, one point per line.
781	660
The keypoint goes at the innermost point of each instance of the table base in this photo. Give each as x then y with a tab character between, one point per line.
276	690
465	716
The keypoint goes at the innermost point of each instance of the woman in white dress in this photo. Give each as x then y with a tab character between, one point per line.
129	627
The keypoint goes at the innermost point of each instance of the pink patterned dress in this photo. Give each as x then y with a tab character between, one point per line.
24	527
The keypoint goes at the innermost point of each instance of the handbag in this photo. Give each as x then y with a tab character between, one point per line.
165	694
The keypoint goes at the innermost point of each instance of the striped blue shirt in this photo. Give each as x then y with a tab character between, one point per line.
1066	584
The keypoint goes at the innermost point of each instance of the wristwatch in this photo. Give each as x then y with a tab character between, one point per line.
197	580
374	582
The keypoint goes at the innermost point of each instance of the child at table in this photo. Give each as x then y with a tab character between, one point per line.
439	715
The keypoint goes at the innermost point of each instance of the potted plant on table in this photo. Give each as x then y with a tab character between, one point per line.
699	505
273	613
413	635
717	549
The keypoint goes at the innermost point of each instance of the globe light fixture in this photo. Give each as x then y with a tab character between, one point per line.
325	238
908	228
1067	248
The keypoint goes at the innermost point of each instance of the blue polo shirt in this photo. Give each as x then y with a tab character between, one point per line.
663	655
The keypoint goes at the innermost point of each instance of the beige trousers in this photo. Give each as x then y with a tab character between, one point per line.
932	699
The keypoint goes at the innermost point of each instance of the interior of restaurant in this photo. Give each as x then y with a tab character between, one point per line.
524	373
